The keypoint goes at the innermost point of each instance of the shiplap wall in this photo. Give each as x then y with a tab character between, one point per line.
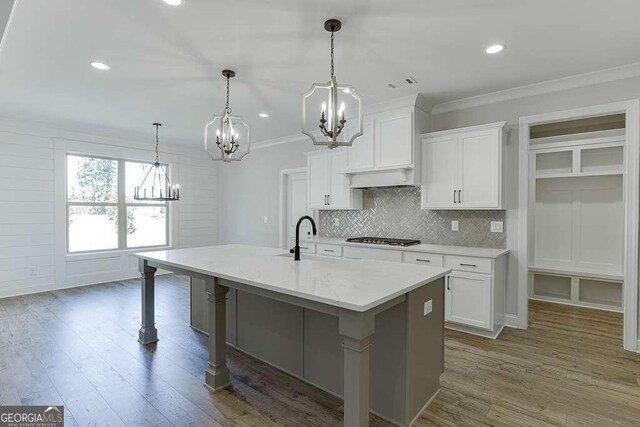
27	214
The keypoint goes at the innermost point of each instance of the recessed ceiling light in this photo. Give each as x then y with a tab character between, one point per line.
263	115
100	66
494	48
173	2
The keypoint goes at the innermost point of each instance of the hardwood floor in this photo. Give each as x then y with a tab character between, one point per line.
78	348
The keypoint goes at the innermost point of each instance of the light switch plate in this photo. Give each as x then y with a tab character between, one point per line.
265	220
428	307
455	225
497	226
336	222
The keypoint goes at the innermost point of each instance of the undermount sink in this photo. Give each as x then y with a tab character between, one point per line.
304	257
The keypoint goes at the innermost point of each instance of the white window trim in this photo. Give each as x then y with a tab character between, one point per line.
126	263
122	206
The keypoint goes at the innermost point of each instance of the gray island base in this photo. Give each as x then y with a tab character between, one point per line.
382	354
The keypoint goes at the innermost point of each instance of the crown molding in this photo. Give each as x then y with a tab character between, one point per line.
503	126
549	86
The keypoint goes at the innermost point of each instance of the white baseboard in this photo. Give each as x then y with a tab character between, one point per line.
511	321
52	286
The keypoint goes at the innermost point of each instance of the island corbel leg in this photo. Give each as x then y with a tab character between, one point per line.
356	330
148	333
217	374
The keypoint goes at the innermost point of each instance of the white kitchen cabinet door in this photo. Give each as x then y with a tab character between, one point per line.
479	169
319	176
440	172
360	154
339	196
394	139
468	300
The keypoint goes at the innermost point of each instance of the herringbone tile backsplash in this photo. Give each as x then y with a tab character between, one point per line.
395	212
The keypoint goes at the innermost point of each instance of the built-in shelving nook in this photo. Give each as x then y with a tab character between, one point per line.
577	207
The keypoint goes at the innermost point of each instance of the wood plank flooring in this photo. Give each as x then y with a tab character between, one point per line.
78	348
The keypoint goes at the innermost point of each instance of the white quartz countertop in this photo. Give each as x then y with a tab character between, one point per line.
427	248
357	285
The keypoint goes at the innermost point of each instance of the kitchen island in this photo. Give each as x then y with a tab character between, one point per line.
370	331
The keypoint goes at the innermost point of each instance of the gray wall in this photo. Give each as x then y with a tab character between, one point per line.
249	191
255	181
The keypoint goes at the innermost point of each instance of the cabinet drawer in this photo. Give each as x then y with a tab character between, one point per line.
307	248
366	253
423	258
477	265
329	250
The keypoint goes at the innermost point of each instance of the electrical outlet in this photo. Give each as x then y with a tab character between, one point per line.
455	225
497	227
428	307
265	220
336	222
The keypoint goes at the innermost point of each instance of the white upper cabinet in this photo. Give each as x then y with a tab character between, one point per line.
388	152
393	139
360	154
327	188
318	180
463	168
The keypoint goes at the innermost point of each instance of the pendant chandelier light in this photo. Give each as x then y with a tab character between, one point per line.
332	103
156	185
230	132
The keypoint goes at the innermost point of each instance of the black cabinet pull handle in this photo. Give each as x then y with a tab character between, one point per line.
468	265
459	196
448	283
454	196
328	250
423	260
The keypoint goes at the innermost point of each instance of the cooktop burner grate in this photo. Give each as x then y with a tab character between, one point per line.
384	241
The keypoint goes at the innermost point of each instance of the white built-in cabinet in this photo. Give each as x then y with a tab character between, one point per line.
463	168
388	152
326	186
577	219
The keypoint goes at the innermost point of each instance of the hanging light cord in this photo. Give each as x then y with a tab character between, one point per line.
332	46
157	143
227	107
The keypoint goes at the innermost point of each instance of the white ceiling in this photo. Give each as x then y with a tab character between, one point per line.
166	61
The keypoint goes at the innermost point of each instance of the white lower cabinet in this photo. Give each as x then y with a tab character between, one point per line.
468	299
474	290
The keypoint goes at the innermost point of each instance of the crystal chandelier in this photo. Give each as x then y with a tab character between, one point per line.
157	186
229	130
336	100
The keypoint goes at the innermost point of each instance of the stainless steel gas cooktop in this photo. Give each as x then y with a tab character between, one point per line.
384	241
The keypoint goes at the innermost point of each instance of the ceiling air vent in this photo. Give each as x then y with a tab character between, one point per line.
404	82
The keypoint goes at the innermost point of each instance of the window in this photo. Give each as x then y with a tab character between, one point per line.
101	212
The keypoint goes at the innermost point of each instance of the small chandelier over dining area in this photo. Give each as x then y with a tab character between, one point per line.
156	185
225	133
328	107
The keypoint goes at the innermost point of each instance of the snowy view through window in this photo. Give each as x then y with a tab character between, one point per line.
102	214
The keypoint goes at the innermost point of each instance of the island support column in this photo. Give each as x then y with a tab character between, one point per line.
148	333
356	330
217	374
